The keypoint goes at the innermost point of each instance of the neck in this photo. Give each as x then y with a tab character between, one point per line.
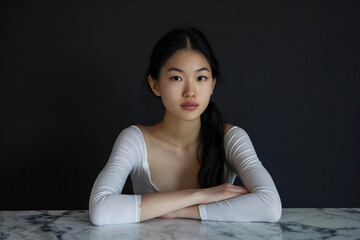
182	133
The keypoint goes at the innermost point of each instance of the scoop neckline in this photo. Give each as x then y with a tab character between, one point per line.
146	156
147	167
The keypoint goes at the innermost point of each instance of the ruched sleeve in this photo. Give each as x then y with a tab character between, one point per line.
107	205
263	202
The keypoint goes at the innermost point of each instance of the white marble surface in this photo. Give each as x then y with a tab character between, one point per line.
326	223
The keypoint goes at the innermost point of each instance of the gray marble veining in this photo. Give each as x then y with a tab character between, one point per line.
322	223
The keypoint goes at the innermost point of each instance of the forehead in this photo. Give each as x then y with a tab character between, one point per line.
187	60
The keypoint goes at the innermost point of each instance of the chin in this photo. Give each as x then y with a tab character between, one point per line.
191	117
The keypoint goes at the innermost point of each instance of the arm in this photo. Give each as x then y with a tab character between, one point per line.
108	206
188	212
184	203
158	204
263	203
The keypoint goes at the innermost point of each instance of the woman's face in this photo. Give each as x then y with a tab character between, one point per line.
185	84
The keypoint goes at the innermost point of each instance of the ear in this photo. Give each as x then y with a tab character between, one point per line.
154	84
213	85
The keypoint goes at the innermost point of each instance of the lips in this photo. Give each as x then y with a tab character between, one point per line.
189	105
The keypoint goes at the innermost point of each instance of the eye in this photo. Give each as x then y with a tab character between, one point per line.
202	78
176	78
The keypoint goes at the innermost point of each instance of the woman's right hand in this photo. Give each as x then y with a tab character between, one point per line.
221	192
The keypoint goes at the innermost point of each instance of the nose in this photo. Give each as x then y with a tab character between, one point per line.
189	90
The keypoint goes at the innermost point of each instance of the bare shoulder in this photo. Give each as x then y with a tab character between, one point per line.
227	127
143	129
147	131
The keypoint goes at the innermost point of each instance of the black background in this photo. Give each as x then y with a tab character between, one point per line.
72	78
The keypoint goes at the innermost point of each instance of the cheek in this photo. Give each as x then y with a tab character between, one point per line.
168	94
206	90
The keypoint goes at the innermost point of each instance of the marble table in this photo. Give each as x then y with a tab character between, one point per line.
295	223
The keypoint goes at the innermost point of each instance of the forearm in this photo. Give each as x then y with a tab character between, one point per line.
247	208
168	204
157	204
189	212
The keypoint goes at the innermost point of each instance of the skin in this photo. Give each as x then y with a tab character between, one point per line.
171	143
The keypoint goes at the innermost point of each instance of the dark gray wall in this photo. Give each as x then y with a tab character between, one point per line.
71	80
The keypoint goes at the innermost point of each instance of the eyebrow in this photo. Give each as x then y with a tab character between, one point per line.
179	70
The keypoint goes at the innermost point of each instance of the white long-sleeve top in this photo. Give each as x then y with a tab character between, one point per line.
109	206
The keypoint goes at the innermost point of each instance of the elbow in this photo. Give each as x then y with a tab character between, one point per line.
97	211
112	209
275	214
95	215
274	211
271	206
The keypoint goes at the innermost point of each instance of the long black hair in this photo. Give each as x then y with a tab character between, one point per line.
210	149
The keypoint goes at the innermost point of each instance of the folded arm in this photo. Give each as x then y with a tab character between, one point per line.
108	206
222	203
262	203
184	203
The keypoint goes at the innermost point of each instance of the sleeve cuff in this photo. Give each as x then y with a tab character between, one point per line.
202	211
137	207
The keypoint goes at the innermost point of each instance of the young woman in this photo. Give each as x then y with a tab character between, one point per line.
185	165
